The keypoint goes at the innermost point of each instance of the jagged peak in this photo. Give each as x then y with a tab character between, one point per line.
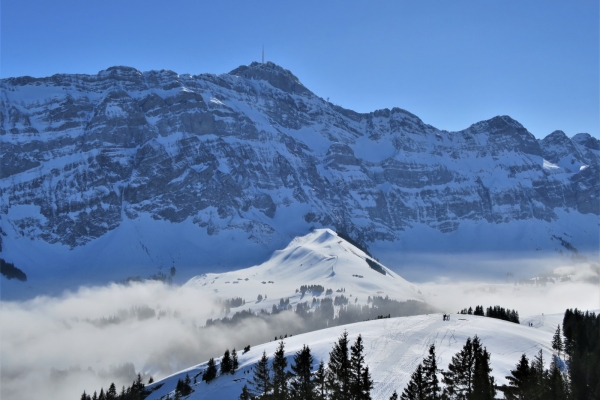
556	136
120	70
587	140
276	75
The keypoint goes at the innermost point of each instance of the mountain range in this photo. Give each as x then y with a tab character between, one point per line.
127	173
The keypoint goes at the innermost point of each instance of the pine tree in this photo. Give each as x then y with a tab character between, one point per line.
84	396
433	391
280	375
234	362
210	372
226	363
94	396
245	394
537	377
556	386
519	387
338	370
320	381
458	379
262	376
415	390
302	386
357	361
367	384
394	396
557	343
101	396
483	381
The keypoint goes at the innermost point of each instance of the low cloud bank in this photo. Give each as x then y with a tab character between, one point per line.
56	347
84	340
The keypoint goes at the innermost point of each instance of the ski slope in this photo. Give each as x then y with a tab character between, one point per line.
393	349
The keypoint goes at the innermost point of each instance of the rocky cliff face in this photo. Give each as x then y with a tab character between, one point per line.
255	151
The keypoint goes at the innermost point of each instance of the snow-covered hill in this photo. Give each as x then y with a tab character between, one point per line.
319	258
393	349
124	172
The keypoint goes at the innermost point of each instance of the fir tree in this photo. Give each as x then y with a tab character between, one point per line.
433	391
557	343
84	396
101	396
245	394
537	377
415	390
234	362
338	370
357	361
360	383
483	381
320	381
226	363
394	396
519	387
302	386
458	379
280	375
94	396
556	386
262	376
210	372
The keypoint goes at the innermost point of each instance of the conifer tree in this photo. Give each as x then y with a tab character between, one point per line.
210	372
415	390
394	396
280	375
458	379
245	394
557	343
537	376
262	376
84	396
302	386
483	381
357	361
433	391
234	362
367	383
338	370
320	381
226	363
95	396
556	386
519	387
101	396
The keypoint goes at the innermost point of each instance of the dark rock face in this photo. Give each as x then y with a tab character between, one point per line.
240	150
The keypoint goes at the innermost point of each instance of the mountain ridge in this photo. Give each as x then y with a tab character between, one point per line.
256	155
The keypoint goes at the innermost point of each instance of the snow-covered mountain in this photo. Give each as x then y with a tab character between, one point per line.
319	258
393	349
120	173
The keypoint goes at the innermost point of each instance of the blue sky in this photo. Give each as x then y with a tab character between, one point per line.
452	63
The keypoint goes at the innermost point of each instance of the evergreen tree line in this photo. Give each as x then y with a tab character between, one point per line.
346	376
11	272
229	365
493	312
581	333
321	313
313	289
137	391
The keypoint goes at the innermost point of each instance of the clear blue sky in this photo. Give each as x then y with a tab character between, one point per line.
452	63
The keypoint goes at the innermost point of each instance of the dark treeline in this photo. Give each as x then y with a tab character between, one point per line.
137	391
375	266
582	346
321	313
493	312
346	376
11	272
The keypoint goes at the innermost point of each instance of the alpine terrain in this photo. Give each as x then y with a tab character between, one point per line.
129	173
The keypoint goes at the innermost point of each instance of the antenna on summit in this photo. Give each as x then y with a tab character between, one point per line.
263	55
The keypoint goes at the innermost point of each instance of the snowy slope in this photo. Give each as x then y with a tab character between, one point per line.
393	349
319	258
